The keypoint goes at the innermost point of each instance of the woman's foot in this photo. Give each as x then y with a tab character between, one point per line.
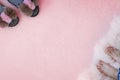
114	53
106	69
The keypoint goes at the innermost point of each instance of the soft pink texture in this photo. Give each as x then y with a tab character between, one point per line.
57	44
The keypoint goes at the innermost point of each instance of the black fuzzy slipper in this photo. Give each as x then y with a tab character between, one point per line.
11	13
24	7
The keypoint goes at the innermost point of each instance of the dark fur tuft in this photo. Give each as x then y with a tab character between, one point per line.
10	12
24	8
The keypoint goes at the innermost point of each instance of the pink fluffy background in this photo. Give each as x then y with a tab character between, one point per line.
58	43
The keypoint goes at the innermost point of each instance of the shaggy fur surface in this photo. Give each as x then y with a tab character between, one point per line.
112	38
